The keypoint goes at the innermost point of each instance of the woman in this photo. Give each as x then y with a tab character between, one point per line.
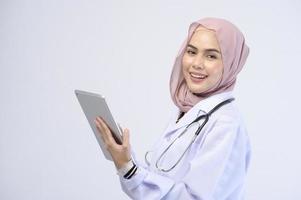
210	158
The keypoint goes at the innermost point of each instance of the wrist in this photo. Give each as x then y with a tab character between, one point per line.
121	163
127	170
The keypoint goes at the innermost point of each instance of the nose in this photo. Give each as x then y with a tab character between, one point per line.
198	63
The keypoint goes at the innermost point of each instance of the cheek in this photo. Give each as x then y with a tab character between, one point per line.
186	62
214	66
217	71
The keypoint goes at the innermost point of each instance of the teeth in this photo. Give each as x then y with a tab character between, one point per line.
198	76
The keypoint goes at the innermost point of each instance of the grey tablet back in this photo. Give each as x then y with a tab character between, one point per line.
95	105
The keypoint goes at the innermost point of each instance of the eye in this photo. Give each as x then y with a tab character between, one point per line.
191	52
212	57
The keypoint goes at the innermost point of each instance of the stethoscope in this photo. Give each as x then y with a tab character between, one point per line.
196	121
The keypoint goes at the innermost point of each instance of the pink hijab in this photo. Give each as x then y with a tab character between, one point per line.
234	54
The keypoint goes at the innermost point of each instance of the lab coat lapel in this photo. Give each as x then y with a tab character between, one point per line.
183	122
200	108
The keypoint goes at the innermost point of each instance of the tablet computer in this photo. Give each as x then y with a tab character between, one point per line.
94	105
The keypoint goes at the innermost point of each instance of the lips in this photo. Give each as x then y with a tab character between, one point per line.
198	75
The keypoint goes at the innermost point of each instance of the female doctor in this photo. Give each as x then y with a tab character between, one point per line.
204	153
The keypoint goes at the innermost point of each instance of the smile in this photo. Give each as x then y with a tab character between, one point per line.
197	75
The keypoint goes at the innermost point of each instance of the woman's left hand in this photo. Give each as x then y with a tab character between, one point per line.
120	153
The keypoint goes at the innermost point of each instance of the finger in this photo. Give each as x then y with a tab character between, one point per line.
107	133
103	126
126	137
100	130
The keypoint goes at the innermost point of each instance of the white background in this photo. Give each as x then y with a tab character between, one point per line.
125	50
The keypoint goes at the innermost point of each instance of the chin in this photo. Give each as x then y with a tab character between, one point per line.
195	90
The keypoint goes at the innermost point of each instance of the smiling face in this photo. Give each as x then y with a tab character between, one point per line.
202	64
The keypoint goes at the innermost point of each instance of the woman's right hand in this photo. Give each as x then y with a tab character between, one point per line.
119	152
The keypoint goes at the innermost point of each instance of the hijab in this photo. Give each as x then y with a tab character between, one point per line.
234	54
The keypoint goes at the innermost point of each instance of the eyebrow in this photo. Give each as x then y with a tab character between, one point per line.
211	49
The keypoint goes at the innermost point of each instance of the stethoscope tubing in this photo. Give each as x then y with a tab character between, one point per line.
206	116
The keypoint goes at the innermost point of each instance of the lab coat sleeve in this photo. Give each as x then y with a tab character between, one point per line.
216	172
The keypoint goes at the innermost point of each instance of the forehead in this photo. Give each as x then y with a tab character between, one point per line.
202	28
203	37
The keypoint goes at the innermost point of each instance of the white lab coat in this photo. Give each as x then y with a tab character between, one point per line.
214	167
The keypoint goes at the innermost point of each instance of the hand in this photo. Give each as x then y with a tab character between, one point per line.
120	153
